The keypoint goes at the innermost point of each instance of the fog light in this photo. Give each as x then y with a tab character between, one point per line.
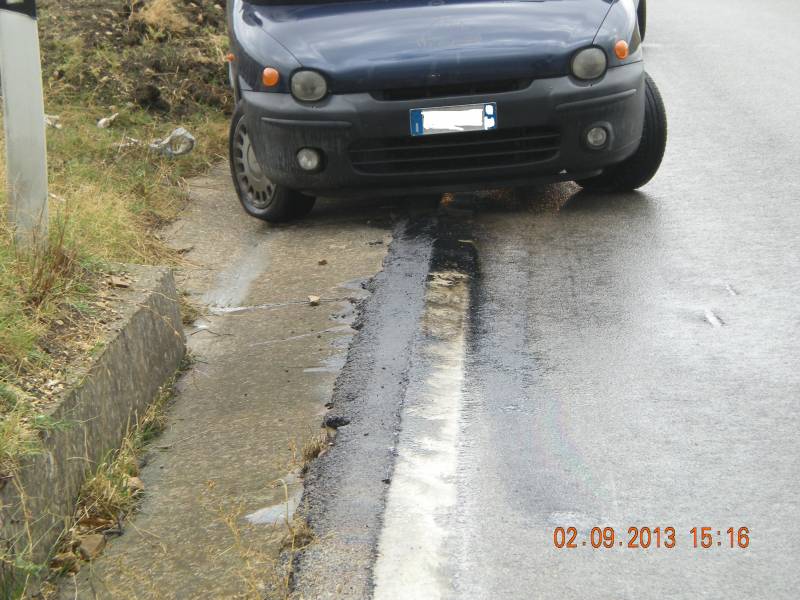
309	159
597	137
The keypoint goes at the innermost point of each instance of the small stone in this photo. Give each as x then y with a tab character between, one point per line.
322	262
135	485
335	421
119	282
92	546
314	300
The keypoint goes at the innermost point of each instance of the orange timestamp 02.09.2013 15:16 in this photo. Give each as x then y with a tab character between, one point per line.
650	537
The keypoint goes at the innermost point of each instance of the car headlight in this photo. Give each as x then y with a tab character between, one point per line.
589	63
309	86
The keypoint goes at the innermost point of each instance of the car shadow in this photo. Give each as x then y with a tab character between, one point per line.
378	212
382	212
586	201
544	198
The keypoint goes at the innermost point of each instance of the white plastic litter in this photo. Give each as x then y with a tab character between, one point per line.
53	121
128	142
178	143
106	122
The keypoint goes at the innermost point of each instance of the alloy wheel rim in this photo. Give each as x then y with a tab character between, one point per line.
256	188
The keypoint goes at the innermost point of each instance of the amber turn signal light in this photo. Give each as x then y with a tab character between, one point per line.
270	77
621	49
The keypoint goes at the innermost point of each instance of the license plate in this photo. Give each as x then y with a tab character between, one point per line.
453	119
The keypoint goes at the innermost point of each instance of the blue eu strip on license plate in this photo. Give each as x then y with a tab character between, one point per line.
453	119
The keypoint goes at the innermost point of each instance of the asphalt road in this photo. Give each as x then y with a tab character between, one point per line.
587	361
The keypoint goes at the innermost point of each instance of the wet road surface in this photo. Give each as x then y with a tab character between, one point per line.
602	360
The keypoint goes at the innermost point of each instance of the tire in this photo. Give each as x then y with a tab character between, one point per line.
636	171
260	197
641	13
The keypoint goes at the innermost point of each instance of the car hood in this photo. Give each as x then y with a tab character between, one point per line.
377	44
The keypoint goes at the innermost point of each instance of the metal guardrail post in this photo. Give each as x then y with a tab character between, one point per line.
23	105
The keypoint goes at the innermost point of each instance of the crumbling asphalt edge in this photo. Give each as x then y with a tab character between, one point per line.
345	489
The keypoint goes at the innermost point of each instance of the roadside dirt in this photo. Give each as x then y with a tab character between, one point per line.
100	57
72	343
163	55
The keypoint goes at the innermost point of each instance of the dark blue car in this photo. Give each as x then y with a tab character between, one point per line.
341	97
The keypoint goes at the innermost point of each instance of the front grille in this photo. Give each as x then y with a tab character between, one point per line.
455	151
453	89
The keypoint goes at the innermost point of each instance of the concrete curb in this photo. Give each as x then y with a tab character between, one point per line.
146	349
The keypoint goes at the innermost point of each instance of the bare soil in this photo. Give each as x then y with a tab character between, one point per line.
166	56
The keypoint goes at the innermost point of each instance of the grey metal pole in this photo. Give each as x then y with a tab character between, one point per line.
23	105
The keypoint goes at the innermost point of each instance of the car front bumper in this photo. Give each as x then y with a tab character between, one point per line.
367	146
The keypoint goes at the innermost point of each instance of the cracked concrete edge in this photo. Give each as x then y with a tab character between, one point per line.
345	489
145	350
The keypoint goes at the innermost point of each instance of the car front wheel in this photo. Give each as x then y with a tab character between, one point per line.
636	171
260	197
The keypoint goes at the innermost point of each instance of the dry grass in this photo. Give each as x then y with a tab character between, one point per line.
20	432
109	495
260	574
299	536
267	571
265	576
107	199
18	438
162	15
190	312
104	206
31	285
313	448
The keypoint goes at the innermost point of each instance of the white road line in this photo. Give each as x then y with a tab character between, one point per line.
423	487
